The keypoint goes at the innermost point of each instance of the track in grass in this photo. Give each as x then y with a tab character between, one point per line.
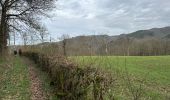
36	85
39	82
19	80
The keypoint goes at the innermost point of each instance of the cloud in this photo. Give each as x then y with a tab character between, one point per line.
77	17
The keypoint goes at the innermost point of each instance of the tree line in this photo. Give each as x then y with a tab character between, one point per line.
124	46
137	47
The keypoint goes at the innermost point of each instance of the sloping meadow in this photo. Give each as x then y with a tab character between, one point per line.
72	82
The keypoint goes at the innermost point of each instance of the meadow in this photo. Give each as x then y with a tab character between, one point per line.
144	77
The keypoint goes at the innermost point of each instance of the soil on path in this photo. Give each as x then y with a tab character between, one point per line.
37	92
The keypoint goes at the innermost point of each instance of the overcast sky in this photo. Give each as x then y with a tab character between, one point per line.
112	17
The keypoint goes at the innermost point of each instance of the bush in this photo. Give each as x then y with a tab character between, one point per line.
71	81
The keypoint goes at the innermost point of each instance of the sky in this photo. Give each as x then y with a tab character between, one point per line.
111	17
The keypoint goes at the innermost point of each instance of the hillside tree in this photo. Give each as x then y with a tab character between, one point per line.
43	33
64	38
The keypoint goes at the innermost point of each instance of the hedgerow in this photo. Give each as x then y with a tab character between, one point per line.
71	81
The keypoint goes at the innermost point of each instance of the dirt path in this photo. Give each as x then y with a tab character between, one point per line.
36	85
37	92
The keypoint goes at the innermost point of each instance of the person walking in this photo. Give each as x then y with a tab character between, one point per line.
20	52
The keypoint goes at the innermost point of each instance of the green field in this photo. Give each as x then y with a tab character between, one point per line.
143	77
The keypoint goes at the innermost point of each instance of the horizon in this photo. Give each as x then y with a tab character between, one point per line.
19	42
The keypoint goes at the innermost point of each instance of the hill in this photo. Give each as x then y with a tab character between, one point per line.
117	45
154	32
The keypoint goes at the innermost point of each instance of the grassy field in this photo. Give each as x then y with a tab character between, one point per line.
136	77
14	80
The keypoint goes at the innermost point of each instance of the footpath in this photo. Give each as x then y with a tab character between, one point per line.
20	79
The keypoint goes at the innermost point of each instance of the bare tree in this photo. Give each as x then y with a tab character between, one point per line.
64	39
43	33
25	38
21	12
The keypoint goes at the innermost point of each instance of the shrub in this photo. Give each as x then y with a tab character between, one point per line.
72	82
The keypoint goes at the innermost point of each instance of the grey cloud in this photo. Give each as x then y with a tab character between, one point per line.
113	16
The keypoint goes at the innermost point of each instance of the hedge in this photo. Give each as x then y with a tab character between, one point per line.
72	82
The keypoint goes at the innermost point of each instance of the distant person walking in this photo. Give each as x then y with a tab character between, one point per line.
20	52
15	52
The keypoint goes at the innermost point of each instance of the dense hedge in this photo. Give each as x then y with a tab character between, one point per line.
71	81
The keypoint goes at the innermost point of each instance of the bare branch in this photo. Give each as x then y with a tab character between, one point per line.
1	3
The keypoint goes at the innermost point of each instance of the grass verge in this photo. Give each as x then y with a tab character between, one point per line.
14	84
